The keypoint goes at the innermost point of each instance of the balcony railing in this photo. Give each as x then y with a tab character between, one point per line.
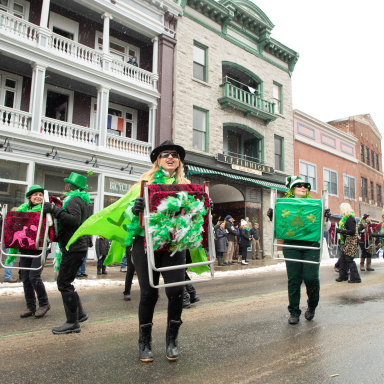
247	102
16	27
12	118
132	72
70	49
124	144
244	157
61	130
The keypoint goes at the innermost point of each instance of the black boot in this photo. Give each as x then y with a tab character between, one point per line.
171	339
103	270
99	271
186	301
145	343
193	298
82	314
293	319
72	312
309	314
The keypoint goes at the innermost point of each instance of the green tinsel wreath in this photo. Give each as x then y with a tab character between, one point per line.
182	231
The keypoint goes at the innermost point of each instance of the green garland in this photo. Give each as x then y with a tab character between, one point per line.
26	207
341	225
87	200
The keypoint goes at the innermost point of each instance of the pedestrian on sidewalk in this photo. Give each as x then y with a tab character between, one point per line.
102	248
245	240
298	272
32	283
236	244
76	209
380	231
364	240
231	240
221	243
347	229
255	243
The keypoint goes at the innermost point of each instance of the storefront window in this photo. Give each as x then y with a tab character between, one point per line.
108	200
11	170
12	194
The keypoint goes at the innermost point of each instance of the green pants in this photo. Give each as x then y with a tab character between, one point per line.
297	272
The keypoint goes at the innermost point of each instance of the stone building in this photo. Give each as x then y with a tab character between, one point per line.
233	105
80	85
369	183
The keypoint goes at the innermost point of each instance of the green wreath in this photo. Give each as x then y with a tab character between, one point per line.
179	221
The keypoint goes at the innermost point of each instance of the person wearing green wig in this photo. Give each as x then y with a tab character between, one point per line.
298	272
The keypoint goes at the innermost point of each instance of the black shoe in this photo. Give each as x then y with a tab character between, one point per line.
186	301
99	271
145	343
339	280
104	271
171	340
293	319
82	314
71	325
193	298
310	314
84	275
127	297
354	281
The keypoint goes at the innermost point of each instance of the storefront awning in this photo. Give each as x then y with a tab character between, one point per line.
192	170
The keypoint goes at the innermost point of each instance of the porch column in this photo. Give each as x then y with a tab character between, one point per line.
44	32
37	96
155	59
106	57
102	114
152	125
44	14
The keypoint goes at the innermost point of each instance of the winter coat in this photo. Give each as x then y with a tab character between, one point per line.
102	247
245	242
222	241
76	212
349	227
255	233
231	231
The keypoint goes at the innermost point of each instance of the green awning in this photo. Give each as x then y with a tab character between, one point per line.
192	170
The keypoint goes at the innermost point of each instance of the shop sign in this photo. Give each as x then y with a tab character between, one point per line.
117	186
244	165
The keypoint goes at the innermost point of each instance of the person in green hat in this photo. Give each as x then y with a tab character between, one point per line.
298	272
75	210
32	283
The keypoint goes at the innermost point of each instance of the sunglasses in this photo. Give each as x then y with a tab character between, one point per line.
164	155
301	186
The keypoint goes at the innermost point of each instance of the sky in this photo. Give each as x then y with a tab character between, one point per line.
340	71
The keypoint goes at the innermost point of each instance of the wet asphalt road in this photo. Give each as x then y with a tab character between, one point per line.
237	333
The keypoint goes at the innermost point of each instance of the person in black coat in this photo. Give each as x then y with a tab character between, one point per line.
221	243
77	210
347	262
102	249
245	241
231	240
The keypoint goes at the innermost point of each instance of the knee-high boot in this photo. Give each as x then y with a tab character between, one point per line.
171	339
82	314
72	312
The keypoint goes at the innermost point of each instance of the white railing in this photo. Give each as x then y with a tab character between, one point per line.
62	130
71	49
13	25
131	72
124	144
14	118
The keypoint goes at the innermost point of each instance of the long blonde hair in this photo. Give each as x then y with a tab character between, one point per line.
150	175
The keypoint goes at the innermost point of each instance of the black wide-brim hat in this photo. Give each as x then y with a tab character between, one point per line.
165	146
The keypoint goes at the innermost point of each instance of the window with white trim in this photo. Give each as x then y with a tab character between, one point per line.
308	173
277	98
64	26
349	187
200	129
330	181
10	90
58	103
119	49
364	187
19	8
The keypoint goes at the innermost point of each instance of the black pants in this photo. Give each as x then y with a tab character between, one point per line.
243	252
149	295
100	262
32	281
130	272
69	266
347	262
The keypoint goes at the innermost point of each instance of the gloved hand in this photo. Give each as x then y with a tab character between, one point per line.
138	206
211	204
342	231
270	213
47	207
327	213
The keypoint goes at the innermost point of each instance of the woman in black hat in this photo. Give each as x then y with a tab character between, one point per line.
167	169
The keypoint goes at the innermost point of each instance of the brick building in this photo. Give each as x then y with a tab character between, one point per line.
233	105
326	157
369	184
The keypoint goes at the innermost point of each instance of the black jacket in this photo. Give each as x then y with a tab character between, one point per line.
231	231
244	234
102	247
255	233
71	218
350	227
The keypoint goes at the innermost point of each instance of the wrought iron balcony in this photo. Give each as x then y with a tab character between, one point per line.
246	102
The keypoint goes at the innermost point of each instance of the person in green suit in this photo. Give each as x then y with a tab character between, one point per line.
297	271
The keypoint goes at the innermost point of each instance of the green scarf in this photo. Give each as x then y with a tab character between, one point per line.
69	195
341	225
26	207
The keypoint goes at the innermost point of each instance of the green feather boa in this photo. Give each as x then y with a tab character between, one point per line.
26	207
69	195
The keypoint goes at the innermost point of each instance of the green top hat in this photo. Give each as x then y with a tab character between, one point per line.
33	189
77	180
